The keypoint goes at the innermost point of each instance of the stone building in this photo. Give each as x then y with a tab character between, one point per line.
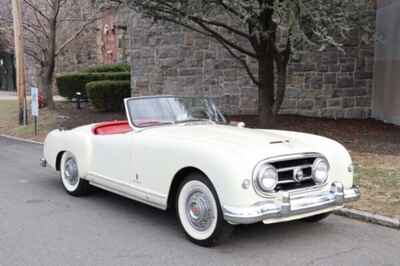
103	42
167	59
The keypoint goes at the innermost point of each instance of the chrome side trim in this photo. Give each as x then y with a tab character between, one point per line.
128	195
290	205
127	190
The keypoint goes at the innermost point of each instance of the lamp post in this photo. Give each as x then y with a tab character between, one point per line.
78	100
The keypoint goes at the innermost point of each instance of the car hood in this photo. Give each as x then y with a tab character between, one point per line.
255	142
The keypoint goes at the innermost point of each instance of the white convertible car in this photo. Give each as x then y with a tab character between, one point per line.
179	152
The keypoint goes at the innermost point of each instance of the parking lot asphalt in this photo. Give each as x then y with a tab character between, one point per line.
41	225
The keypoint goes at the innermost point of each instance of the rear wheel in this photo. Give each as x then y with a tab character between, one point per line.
316	218
73	184
199	212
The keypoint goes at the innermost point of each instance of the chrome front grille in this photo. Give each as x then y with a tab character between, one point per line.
294	173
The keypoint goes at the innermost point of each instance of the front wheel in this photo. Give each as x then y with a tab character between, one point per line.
199	212
73	184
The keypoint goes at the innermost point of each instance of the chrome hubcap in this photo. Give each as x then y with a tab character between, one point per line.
199	211
71	172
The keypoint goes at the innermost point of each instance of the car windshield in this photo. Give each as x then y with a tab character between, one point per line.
163	110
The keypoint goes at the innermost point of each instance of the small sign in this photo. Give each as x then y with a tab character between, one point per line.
35	101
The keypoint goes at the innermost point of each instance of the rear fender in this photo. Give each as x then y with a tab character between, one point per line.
78	143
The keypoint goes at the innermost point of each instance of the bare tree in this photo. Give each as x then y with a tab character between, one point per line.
5	27
265	31
45	39
3	38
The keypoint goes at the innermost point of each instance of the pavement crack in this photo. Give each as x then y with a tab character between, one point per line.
313	261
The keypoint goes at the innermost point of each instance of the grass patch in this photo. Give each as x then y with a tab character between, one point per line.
9	122
7	108
380	189
384	176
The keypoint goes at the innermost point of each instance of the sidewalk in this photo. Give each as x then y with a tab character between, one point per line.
12	95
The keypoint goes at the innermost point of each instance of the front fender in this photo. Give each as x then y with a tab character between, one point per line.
158	160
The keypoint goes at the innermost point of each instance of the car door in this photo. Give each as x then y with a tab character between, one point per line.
112	158
115	167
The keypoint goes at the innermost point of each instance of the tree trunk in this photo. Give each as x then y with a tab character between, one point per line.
281	60
280	87
49	67
266	90
46	80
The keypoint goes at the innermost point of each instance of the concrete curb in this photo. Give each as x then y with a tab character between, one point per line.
21	139
370	217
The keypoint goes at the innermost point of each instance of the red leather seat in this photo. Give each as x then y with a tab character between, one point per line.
112	127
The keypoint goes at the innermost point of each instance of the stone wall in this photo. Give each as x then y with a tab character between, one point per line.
167	59
331	84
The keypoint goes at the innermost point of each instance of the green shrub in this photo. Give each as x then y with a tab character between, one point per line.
107	68
108	95
69	84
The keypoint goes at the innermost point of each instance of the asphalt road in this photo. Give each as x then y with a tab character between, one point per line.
41	225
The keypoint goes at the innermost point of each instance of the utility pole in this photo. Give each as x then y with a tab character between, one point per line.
20	61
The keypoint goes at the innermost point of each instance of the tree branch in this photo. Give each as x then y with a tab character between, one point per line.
222	25
34	56
75	35
244	63
230	9
41	26
165	10
36	9
225	40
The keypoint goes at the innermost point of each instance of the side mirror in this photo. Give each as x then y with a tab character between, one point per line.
237	123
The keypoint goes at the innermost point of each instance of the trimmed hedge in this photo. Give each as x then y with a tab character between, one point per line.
108	95
69	84
107	68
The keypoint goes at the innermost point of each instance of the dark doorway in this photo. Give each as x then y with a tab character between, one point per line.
7	72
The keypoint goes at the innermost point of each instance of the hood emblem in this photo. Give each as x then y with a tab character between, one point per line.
298	175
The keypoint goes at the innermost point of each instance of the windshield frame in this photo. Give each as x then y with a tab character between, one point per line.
209	99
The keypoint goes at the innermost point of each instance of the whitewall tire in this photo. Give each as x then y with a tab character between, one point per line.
70	178
199	211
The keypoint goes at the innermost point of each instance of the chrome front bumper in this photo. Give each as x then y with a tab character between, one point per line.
292	204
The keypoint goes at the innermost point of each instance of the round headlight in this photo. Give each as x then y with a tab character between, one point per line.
320	171
267	177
